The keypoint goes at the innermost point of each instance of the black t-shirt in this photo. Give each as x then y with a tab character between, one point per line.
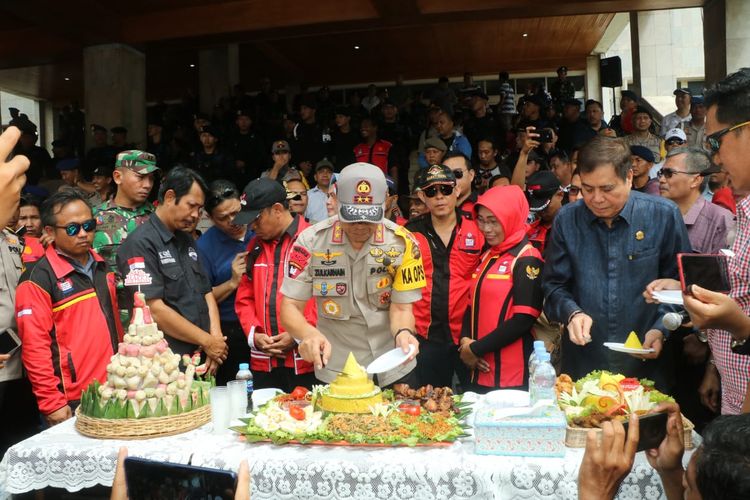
342	147
177	275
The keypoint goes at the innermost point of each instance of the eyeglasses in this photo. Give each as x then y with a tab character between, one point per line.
713	141
675	142
669	172
458	173
432	191
574	190
74	228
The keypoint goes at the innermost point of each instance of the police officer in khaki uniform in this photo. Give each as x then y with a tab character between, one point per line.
365	273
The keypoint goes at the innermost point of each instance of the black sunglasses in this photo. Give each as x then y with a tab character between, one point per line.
669	172
459	174
675	142
74	227
432	191
713	141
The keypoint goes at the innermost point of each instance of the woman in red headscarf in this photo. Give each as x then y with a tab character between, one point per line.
505	296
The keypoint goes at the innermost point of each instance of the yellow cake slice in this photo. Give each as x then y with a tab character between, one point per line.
351	391
633	342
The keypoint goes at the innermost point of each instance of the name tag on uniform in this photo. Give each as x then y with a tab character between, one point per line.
166	257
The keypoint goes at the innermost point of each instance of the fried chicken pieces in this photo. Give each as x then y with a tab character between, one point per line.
433	399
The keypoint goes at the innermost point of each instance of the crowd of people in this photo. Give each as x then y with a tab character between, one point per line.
457	231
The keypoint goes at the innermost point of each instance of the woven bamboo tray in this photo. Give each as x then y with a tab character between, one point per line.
142	428
575	437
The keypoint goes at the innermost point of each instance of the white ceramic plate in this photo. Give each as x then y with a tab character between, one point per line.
669	297
262	396
389	360
620	347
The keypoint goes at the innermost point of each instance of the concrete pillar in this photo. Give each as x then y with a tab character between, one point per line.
635	52
727	45
668	42
218	71
593	85
738	34
114	87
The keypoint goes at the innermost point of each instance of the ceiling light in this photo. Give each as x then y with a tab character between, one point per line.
356	47
67	79
192	65
525	35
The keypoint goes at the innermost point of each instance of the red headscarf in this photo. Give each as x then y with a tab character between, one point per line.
509	205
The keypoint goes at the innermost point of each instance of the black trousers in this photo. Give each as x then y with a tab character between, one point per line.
437	362
18	413
239	352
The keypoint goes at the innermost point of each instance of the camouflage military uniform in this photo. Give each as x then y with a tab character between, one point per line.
113	224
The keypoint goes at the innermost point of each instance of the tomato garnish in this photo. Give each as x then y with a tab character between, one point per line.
410	409
297	413
629	384
299	393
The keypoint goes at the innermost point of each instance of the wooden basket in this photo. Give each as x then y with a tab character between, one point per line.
575	437
142	428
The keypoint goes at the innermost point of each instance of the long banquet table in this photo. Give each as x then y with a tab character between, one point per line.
61	457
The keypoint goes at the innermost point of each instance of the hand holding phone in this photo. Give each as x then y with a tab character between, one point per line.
667	456
163	480
652	430
707	271
9	342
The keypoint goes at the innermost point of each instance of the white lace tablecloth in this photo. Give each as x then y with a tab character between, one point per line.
60	457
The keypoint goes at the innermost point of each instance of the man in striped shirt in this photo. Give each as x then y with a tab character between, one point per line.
728	137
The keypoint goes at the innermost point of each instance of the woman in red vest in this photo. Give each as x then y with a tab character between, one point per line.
505	296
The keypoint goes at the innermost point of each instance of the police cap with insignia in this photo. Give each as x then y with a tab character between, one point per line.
139	162
258	195
361	191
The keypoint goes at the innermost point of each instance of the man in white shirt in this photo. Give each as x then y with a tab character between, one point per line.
317	196
695	128
680	117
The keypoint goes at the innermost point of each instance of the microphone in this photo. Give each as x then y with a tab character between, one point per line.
673	320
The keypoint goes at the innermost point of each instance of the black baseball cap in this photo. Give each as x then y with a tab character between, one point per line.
210	129
103	170
435	174
681	91
258	194
629	94
344	110
540	188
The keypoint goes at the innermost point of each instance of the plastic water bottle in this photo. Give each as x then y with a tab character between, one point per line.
543	381
538	347
533	362
246	375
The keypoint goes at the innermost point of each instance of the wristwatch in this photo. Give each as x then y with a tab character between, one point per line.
702	336
411	332
741	347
